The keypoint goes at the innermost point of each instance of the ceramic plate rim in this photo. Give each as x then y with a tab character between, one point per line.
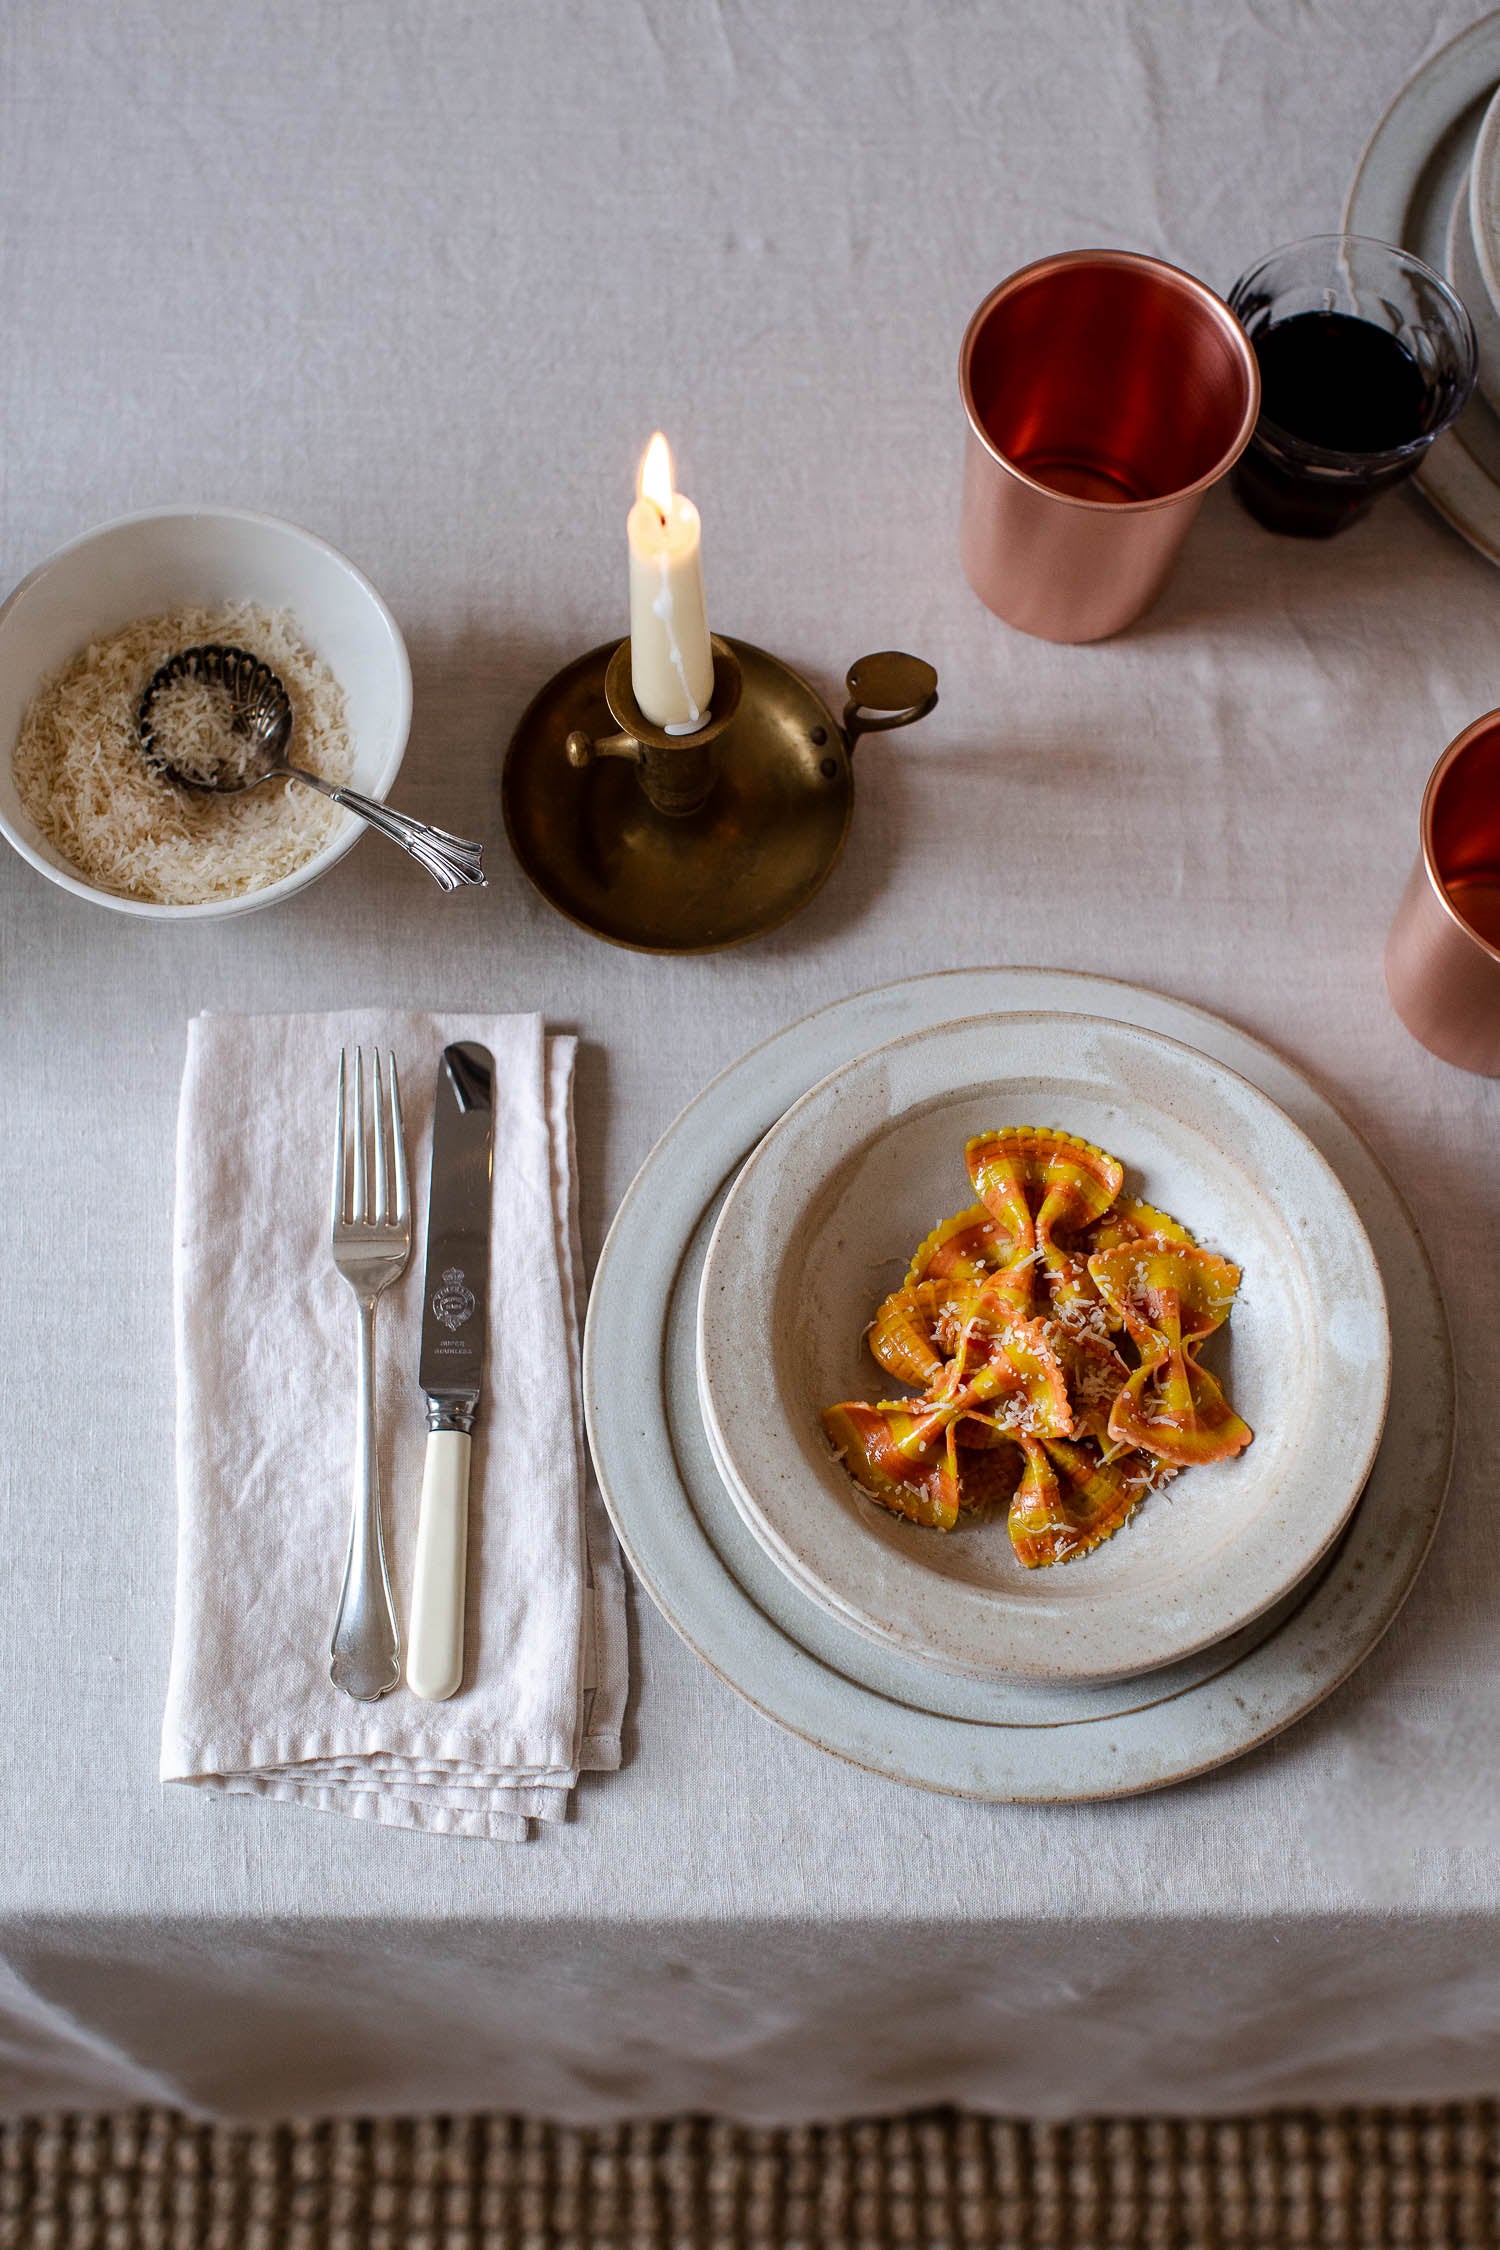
1484	189
1454	483
1462	268
1030	1645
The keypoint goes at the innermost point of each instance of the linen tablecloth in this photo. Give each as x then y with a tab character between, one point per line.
426	279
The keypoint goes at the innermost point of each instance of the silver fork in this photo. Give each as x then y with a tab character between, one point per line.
371	1244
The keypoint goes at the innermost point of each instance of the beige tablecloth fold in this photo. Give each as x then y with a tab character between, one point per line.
265	1344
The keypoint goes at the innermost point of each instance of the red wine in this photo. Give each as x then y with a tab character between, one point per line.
1341	383
1352	390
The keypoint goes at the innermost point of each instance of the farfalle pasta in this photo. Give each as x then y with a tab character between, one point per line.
1049	1335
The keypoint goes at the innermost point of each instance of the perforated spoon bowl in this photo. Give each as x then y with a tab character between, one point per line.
260	728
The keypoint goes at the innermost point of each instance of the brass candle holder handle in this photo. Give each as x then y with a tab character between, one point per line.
684	843
889	689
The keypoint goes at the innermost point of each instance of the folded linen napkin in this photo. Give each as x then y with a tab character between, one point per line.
265	1338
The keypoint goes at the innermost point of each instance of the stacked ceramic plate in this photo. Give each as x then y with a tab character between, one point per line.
820	1224
1430	181
731	1307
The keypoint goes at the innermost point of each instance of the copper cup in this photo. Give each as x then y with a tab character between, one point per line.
1105	393
1442	958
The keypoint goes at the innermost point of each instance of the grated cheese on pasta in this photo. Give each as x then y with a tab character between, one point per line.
82	778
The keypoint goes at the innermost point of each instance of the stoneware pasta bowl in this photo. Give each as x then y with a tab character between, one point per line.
166	558
820	1225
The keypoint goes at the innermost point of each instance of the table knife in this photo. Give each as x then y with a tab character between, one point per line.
455	1295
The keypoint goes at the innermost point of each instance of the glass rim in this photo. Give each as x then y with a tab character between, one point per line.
1333	457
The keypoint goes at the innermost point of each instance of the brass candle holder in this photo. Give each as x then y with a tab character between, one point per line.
686	843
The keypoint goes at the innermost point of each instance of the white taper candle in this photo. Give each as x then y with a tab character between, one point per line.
671	661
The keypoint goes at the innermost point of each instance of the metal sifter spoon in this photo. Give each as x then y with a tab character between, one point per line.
260	723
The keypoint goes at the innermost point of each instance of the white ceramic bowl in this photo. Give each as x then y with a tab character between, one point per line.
160	560
821	1223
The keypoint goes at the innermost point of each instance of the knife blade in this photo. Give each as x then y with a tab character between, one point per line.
455	1295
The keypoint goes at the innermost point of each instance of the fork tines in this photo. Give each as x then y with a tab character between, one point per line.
369	1150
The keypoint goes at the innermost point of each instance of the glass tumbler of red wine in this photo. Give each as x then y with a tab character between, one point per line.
1366	355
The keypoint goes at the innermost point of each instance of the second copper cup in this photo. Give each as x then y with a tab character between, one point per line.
1105	393
1442	959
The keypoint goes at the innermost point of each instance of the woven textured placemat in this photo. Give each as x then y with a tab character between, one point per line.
152	2180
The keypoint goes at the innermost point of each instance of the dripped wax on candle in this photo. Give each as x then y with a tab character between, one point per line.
671	661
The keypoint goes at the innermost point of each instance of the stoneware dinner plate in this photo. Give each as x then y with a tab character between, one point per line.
862	1700
1416	165
1483	206
1462	269
822	1223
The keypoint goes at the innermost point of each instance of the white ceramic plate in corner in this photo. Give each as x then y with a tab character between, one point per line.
1415	166
823	1219
1483	202
1462	269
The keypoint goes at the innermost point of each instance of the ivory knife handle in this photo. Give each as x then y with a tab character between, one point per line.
435	1631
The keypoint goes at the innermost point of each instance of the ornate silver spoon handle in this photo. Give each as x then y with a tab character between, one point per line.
262	721
450	860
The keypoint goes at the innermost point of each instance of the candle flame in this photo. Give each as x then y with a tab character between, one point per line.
656	476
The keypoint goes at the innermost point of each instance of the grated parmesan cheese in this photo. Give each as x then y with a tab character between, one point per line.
193	733
82	778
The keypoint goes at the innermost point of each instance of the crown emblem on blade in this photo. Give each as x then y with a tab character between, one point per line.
454	1303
